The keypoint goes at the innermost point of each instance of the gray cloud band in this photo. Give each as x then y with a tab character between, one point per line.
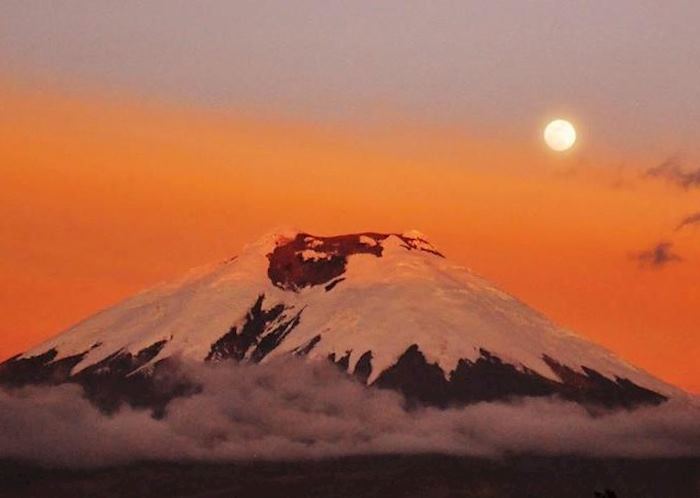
288	409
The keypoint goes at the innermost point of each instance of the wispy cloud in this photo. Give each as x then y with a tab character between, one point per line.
692	219
673	171
658	256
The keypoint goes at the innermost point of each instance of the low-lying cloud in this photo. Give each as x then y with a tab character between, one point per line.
290	409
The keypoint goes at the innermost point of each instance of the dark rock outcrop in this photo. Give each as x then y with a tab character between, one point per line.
124	377
290	269
308	347
593	388
121	378
488	378
419	381
363	367
109	383
326	258
254	336
38	370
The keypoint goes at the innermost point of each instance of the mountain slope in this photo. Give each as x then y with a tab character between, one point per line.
388	308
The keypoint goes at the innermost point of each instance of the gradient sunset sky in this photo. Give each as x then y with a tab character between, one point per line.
139	139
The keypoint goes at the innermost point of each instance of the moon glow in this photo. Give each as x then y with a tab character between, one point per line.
560	135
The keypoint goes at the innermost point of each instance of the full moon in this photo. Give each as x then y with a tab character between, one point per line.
560	135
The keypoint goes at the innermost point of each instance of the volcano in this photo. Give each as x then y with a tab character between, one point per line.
388	309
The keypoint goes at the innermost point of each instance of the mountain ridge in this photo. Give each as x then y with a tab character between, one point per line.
388	308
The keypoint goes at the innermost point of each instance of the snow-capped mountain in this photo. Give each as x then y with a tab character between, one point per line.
388	308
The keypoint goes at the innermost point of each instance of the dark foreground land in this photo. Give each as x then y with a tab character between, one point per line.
381	476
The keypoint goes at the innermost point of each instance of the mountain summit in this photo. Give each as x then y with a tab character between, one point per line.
389	309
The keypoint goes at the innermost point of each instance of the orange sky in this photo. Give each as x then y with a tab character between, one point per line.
100	198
